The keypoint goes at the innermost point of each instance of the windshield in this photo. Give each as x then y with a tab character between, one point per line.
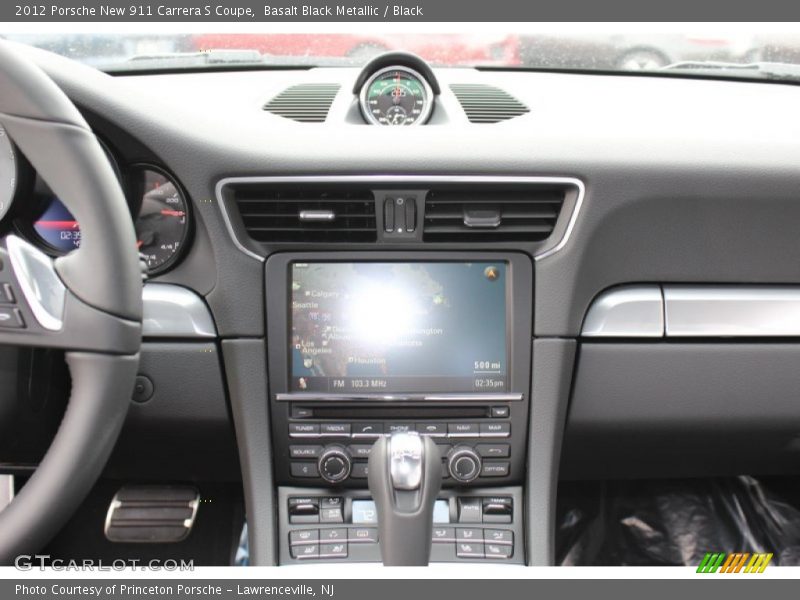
529	46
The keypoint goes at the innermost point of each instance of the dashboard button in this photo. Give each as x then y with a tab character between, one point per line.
362	535
462	430
504	537
432	429
335	429
500	412
471	535
360	470
443	535
7	294
495	429
11	318
494	450
301	537
366	430
469	549
305	451
304	469
498	551
306	551
360	450
495	469
338	550
398	427
336	535
303	430
469	510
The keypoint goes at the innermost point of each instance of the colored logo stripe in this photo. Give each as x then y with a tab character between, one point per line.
734	562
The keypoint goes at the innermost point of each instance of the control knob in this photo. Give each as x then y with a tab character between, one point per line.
464	464
335	464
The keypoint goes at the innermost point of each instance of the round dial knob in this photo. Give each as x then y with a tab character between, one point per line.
464	464
335	464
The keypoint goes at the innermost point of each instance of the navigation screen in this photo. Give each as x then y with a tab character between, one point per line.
383	327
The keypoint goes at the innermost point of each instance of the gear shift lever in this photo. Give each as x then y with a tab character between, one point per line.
405	476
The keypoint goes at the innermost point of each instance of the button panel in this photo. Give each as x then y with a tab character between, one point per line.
466	531
314	437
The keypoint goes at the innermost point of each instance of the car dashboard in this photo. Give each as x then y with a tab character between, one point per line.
556	276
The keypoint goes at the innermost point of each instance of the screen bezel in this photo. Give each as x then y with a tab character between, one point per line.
519	317
506	332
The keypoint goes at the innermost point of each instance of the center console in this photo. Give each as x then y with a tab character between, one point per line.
366	344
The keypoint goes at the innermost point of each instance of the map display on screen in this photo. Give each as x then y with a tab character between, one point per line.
411	327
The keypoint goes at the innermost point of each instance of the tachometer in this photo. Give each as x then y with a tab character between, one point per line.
8	172
163	223
396	96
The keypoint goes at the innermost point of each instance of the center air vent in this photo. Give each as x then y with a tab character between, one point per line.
272	214
305	102
487	104
474	215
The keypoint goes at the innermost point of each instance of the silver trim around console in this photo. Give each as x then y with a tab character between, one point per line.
403	180
314	397
732	311
173	311
709	311
631	311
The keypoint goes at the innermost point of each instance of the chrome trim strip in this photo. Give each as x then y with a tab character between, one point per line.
313	397
628	311
172	311
732	311
405	179
6	490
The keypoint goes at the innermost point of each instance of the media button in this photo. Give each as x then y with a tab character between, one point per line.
334	429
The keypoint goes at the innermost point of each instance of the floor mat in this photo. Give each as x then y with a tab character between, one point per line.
676	522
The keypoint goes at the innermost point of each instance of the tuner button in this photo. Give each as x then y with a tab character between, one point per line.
335	464
464	464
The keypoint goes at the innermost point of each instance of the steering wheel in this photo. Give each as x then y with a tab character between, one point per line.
88	303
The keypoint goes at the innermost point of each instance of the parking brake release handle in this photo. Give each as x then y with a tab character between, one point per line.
405	477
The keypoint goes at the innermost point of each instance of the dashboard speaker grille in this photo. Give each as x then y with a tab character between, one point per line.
487	104
305	102
474	215
272	214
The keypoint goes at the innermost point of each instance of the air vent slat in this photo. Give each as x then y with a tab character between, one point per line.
491	215
305	102
271	214
487	104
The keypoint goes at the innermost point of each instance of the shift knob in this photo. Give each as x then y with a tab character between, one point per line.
405	476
